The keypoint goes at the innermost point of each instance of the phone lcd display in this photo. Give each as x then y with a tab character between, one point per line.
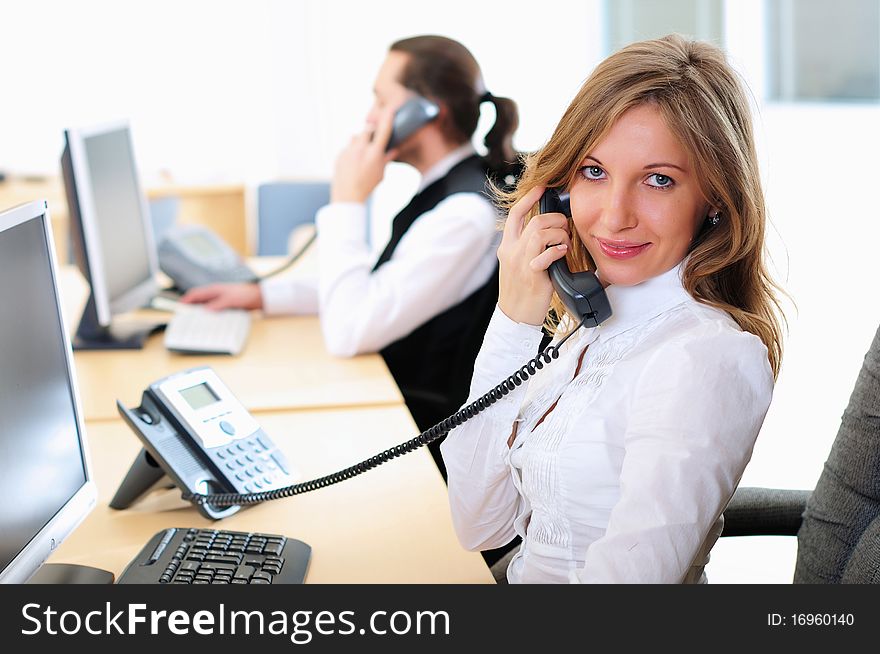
200	245
199	396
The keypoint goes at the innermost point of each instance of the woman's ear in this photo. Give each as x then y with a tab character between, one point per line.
714	214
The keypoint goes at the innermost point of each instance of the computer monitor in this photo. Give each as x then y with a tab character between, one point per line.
111	233
45	477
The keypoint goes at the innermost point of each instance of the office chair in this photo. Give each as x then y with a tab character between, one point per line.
283	206
837	524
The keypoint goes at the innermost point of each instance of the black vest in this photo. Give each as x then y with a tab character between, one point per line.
433	365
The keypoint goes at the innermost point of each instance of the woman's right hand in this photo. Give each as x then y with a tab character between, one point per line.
525	253
225	296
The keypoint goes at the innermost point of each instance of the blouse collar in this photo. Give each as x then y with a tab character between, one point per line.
632	306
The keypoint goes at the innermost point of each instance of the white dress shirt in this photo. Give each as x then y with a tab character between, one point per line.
447	254
626	478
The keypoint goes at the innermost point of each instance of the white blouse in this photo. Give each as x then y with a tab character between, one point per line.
447	254
626	478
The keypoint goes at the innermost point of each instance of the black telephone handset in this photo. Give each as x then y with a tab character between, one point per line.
582	292
195	432
198	434
412	114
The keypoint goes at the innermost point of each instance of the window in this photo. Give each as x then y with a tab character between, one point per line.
823	51
636	20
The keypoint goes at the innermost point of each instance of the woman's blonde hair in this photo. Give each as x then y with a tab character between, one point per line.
703	103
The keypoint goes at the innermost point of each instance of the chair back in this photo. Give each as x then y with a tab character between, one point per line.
839	540
283	206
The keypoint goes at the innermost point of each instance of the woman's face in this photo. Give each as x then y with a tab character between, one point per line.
635	202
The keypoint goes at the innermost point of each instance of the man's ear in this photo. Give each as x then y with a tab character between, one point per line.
443	116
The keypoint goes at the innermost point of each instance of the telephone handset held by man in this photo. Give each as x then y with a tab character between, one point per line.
186	424
412	114
582	293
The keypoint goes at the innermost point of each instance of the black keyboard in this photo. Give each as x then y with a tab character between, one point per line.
210	556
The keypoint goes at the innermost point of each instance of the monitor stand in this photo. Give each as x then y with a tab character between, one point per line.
70	573
91	335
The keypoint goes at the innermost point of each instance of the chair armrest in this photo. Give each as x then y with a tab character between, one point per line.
765	512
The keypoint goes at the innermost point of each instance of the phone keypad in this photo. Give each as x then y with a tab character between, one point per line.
252	464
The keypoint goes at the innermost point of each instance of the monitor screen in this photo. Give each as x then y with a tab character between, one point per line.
118	208
43	464
110	224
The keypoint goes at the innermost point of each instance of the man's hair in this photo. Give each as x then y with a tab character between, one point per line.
445	71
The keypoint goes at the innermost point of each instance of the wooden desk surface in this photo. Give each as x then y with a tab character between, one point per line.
389	525
283	366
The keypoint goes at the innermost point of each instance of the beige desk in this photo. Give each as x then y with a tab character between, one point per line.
389	525
284	366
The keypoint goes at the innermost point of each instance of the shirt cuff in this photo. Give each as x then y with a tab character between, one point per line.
289	295
342	221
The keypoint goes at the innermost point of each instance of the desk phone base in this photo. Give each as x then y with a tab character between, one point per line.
210	556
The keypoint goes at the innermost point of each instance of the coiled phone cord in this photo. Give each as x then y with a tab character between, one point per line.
296	256
461	416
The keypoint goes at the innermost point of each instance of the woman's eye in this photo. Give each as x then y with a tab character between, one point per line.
592	172
660	181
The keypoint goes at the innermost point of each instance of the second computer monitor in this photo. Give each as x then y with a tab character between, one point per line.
111	233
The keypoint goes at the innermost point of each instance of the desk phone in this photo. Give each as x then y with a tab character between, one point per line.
193	255
196	432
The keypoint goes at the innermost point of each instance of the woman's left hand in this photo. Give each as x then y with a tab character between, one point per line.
525	253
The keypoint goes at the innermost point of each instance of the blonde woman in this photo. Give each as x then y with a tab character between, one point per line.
615	462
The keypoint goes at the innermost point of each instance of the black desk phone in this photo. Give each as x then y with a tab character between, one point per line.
194	430
197	433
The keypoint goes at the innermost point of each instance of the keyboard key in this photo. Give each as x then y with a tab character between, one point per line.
244	572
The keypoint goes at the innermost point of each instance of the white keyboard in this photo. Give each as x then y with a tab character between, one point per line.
196	330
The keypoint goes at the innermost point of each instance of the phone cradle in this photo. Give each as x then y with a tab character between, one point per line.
161	445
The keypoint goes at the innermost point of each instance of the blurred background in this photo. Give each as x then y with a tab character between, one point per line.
225	95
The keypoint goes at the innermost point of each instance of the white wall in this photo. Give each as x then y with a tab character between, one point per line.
189	76
246	91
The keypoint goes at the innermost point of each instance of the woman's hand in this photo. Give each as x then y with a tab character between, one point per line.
524	255
361	164
225	296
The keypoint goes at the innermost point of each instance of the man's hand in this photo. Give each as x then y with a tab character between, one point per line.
361	165
225	296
